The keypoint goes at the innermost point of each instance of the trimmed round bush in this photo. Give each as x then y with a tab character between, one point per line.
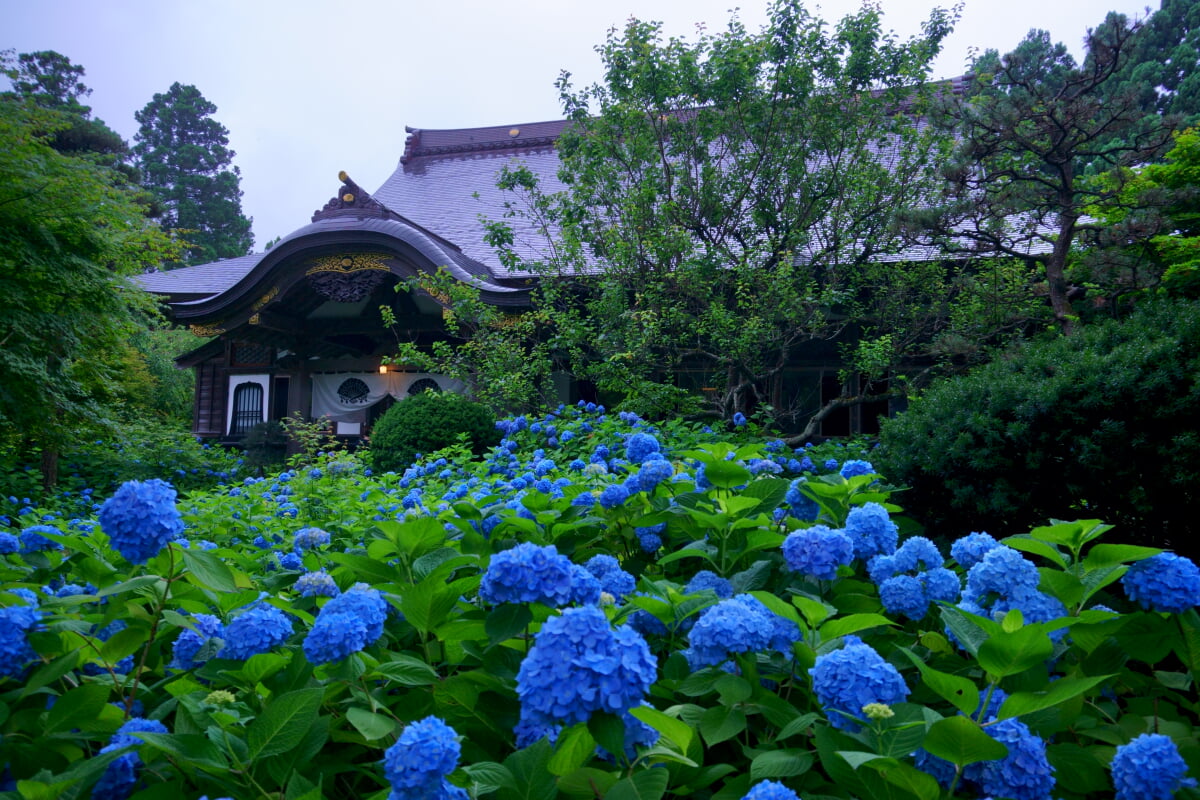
1100	424
426	422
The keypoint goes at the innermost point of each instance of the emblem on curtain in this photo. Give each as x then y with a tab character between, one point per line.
353	390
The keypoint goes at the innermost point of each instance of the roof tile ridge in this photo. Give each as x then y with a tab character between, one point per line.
414	148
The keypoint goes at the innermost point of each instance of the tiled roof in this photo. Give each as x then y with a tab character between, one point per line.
205	280
438	195
446	181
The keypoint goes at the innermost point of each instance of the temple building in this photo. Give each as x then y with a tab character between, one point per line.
298	328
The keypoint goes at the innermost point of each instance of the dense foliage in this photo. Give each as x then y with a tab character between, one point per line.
598	607
426	422
72	232
1101	423
138	451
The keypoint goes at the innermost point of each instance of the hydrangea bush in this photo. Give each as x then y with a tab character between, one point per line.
596	607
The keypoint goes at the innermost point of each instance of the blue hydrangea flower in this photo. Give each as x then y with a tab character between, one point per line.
854	468
1165	582
739	419
333	637
917	553
1149	768
364	602
121	775
317	584
32	540
845	680
15	652
941	585
741	624
119	778
904	595
291	561
638	447
970	549
1002	572
124	735
1024	774
802	506
528	574
707	579
613	495
8	543
259	629
579	665
652	473
310	538
649	538
613	579
761	466
943	771
418	763
209	632
913	577
1035	606
528	731
818	551
770	790
871	530
140	519
585	587
989	704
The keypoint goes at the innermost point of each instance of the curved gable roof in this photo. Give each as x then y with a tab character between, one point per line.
351	218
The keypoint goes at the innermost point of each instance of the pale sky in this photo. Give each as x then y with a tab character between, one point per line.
310	88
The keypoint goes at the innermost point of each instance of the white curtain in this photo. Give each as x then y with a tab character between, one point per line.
341	395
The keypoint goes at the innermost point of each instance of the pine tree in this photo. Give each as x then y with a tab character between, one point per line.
1164	57
185	160
49	80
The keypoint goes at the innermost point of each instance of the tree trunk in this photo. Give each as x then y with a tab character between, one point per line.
49	467
1056	276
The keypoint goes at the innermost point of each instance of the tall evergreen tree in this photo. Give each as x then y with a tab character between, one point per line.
1164	58
185	160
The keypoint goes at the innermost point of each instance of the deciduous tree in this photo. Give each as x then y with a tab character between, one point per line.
71	235
726	205
184	157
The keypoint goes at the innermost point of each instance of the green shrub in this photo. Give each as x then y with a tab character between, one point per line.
265	446
427	422
1102	423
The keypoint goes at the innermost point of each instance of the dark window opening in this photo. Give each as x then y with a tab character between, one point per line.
279	399
838	422
247	408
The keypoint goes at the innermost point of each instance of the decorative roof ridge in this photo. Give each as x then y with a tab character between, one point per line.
353	200
488	138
